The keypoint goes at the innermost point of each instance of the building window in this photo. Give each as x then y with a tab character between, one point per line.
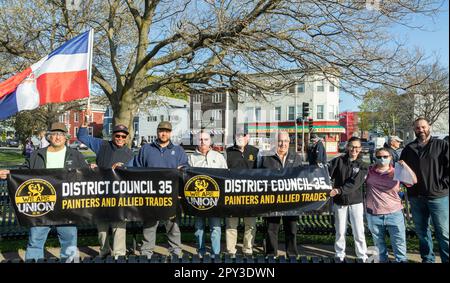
173	118
331	88
197	115
217	114
319	112
301	87
278	113
161	117
152	118
331	112
217	98
320	87
75	131
291	113
110	127
90	131
258	114
197	98
249	114
76	117
291	89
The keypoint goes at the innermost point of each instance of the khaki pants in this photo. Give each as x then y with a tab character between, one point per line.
119	234
249	234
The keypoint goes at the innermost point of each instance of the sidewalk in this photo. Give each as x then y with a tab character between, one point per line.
304	250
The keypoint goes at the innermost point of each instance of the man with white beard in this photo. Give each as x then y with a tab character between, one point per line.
243	156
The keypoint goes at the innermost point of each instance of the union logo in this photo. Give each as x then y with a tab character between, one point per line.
202	192
35	197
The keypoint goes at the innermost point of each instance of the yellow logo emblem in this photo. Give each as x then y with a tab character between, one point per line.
250	157
202	192
35	197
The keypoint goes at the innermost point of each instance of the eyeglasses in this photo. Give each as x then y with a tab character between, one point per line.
284	141
57	134
354	147
383	157
120	136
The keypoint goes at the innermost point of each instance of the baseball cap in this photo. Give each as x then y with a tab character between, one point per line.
396	138
120	128
165	125
58	127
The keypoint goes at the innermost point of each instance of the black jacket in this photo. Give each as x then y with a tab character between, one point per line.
110	154
430	164
274	162
72	160
317	154
349	176
242	160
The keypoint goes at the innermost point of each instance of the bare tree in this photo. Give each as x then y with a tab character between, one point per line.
431	97
217	42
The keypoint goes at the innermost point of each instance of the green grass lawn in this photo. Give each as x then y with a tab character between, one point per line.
10	158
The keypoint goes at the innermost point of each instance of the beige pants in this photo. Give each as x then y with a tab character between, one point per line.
249	234
119	234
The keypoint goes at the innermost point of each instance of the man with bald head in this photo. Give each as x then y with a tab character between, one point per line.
429	159
282	158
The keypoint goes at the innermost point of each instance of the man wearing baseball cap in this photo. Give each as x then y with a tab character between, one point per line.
56	155
107	154
393	145
161	153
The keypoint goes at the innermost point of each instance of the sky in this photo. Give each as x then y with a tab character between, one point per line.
432	39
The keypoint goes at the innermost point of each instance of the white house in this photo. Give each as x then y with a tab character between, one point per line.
264	117
161	108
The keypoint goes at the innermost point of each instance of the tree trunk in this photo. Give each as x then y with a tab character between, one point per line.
124	112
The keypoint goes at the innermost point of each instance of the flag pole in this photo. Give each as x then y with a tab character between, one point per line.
91	48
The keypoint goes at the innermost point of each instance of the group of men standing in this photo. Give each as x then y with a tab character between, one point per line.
428	158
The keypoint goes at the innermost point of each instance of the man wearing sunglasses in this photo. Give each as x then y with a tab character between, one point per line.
56	155
109	153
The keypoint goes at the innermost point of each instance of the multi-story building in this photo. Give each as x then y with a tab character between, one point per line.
153	111
348	120
279	110
73	120
213	110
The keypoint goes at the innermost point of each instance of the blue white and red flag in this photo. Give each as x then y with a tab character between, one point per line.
61	76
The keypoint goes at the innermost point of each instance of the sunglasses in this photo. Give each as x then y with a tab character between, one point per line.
120	136
383	157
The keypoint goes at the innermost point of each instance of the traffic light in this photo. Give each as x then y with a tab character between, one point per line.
310	125
305	109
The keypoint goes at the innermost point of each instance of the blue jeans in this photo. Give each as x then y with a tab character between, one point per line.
394	223
425	211
215	229
38	236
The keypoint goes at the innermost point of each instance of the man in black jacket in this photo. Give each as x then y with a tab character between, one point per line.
316	152
56	155
348	173
429	159
241	156
107	154
281	159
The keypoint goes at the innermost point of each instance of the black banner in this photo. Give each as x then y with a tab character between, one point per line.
262	192
59	196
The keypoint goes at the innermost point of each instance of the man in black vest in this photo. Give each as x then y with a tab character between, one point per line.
109	153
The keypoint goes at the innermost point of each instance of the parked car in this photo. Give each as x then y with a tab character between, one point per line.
367	146
12	143
341	146
77	145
